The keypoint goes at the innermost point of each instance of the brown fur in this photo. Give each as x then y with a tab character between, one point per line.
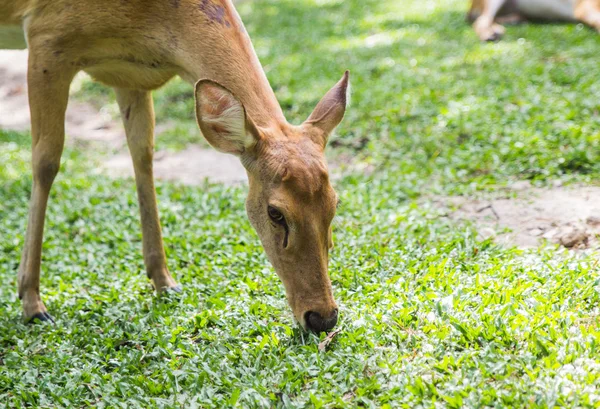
488	15
136	46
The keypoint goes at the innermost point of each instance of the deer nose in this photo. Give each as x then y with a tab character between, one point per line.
316	323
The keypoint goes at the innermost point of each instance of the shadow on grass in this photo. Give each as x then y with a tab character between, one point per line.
425	88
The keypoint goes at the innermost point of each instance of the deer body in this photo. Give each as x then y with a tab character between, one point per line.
488	14
557	10
138	45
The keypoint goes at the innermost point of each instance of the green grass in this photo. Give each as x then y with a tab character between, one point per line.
430	316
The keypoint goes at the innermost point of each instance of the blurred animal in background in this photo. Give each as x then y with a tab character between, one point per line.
488	16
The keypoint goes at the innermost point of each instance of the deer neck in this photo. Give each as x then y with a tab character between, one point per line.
216	46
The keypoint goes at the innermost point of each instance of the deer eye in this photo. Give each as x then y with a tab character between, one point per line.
276	215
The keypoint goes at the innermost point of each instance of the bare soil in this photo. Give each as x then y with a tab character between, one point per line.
529	216
86	123
83	121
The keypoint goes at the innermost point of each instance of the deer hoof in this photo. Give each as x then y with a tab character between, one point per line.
494	33
170	290
177	289
40	317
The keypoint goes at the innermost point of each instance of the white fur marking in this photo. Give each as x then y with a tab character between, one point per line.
233	120
348	94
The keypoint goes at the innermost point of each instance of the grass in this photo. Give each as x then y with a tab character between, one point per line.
431	316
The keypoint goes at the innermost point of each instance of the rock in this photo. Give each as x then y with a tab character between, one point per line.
593	220
574	237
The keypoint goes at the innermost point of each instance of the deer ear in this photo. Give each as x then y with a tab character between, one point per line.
330	110
222	119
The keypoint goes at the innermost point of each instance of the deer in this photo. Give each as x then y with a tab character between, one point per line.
136	46
488	16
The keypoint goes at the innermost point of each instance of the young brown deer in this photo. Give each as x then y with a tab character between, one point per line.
136	46
487	15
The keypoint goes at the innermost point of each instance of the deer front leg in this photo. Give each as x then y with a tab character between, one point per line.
48	83
137	113
484	26
588	12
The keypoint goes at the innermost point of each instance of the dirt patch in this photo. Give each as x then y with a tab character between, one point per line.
190	166
85	123
528	216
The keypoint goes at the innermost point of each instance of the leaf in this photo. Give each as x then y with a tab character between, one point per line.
323	344
235	395
462	330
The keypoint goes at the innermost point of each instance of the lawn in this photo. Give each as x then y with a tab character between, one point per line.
430	315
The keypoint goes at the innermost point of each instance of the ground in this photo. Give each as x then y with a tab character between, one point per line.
442	132
524	216
98	125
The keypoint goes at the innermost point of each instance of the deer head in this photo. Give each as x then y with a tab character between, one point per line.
291	202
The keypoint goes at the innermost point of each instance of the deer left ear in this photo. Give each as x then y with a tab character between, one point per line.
222	119
330	110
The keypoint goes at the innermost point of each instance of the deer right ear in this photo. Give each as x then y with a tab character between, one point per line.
222	119
330	110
